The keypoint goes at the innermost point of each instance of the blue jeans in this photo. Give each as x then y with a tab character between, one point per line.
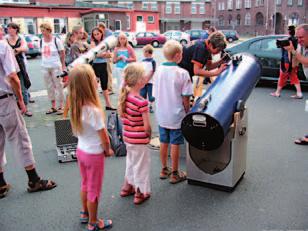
147	90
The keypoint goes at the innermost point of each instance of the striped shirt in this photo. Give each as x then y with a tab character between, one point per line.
133	125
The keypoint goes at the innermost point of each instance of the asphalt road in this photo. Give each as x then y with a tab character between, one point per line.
272	196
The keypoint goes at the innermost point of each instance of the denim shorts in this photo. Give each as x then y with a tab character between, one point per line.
172	136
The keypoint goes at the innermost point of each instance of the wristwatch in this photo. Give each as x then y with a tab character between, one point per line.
293	52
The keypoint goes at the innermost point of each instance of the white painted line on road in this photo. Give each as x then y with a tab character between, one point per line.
38	93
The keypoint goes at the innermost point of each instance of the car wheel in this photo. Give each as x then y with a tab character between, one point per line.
183	42
230	40
155	44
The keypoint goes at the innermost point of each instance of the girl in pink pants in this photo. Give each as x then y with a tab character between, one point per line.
87	120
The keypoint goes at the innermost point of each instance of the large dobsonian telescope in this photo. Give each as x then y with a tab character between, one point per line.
216	126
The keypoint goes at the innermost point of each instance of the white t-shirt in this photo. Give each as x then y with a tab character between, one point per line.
50	53
92	121
304	52
170	83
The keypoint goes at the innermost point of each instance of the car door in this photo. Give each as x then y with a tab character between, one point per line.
176	35
149	37
140	38
268	54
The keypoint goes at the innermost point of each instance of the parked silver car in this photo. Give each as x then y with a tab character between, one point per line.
130	37
179	36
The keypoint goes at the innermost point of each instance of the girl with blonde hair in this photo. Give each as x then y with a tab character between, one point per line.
122	55
87	120
133	109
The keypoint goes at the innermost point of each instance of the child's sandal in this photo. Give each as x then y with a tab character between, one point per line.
97	226
177	177
84	217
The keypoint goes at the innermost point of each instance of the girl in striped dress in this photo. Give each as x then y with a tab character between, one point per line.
133	109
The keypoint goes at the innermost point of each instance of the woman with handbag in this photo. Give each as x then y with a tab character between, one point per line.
19	46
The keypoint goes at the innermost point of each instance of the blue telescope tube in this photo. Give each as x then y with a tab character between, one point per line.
209	120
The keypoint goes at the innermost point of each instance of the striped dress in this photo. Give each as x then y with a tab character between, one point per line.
133	125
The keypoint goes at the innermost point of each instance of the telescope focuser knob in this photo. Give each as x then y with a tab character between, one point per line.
236	60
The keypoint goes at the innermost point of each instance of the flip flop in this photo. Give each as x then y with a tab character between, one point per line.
51	111
301	141
275	94
296	96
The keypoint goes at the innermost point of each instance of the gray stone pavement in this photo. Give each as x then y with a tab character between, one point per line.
272	196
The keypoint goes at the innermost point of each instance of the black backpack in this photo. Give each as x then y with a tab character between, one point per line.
114	128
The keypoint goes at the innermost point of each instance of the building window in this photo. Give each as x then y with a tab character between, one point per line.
168	8
150	19
247	3
126	4
299	2
117	25
222	6
153	5
278	2
60	25
221	20
230	4
193	8
139	18
202	9
238	19
290	2
128	22
31	25
259	19
247	19
177	8
145	5
238	4
293	19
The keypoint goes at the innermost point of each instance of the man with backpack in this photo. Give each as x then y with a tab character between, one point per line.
53	64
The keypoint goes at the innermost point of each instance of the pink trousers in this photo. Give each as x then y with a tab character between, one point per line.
91	168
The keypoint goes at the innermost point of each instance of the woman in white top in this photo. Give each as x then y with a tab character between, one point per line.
53	64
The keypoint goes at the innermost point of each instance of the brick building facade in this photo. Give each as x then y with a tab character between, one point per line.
260	17
174	15
69	13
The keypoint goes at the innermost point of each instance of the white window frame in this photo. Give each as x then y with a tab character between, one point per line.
238	4
30	21
115	22
137	18
177	8
193	8
230	5
290	2
247	4
154	6
128	22
126	4
299	2
145	5
62	23
223	6
278	2
151	21
247	21
168	9
202	8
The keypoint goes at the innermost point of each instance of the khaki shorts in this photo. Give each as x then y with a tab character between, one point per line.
13	130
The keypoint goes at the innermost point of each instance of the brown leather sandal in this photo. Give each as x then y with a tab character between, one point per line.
41	185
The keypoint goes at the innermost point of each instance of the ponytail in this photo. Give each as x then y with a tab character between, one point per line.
122	100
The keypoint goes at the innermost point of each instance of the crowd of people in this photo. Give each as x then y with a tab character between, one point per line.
139	86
